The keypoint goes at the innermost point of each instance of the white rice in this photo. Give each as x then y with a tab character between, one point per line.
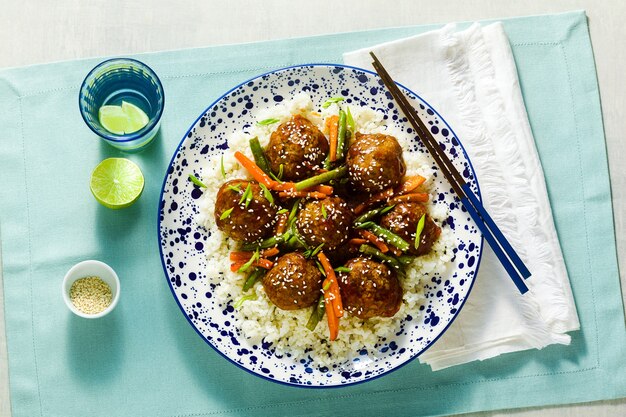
259	319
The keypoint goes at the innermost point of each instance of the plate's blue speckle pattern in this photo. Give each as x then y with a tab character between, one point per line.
182	240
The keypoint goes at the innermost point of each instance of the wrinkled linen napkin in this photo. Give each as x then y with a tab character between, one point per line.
470	77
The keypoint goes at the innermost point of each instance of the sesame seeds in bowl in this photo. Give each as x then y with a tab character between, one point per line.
91	289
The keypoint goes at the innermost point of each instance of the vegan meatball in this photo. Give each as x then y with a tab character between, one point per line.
299	146
244	219
403	220
294	282
370	289
326	221
375	162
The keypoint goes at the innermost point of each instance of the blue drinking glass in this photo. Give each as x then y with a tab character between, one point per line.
117	80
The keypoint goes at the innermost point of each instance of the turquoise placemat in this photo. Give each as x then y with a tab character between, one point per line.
145	360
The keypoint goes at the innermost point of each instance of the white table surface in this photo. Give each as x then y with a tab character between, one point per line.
33	32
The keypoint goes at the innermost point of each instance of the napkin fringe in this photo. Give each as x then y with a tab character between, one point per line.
495	191
533	224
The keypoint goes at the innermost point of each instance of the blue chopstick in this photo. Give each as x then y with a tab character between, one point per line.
495	238
499	236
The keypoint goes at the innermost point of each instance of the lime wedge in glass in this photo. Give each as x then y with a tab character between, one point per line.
116	183
122	120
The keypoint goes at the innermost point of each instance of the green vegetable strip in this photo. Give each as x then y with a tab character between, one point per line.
324	214
418	231
341	134
222	167
372	251
259	156
254	276
267	122
267	243
350	120
248	264
389	237
332	100
235	188
267	194
244	196
405	259
322	178
226	213
342	269
196	181
294	210
317	314
367	216
243	299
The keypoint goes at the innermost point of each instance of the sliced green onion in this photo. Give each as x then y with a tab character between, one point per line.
332	100
266	122
222	167
226	213
235	188
267	194
321	268
249	197
326	286
342	269
267	243
418	232
281	168
252	260
244	196
324	214
387	209
281	211
317	250
294	210
196	181
243	299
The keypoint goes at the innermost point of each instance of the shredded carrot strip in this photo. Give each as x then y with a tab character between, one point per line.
333	135
357	241
411	183
333	320
410	198
254	170
326	189
302	194
284	186
375	240
331	279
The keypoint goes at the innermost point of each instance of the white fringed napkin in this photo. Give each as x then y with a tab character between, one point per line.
470	77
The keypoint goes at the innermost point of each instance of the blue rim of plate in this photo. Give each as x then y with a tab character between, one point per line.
469	290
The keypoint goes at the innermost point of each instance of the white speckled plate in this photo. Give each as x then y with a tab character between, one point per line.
182	239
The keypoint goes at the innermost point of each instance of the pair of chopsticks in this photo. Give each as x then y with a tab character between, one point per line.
501	247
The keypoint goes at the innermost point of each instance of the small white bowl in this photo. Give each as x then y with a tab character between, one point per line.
91	268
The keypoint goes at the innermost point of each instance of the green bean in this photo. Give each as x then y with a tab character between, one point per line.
341	134
259	156
389	237
372	251
367	216
317	314
406	259
254	276
322	178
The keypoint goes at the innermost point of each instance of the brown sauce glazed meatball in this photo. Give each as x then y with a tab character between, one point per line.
370	289
299	146
294	282
332	229
375	162
245	224
403	220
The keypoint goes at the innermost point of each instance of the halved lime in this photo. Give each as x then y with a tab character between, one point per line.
124	119
116	183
